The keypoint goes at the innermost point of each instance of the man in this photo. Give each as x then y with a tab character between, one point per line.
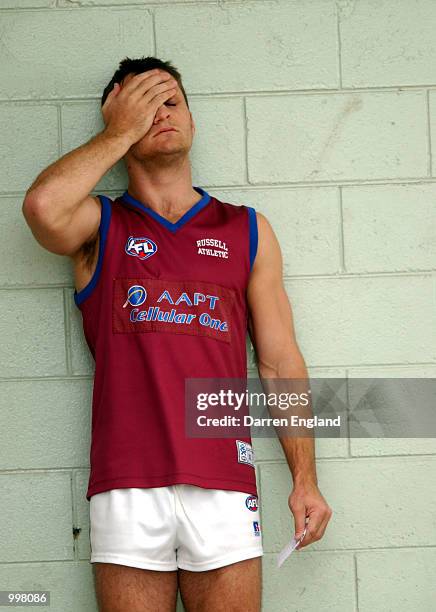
167	278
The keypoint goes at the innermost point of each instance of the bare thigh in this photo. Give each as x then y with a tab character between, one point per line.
231	588
120	588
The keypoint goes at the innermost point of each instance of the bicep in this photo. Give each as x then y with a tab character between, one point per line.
68	236
270	321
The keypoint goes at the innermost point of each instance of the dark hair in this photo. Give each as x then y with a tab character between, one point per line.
137	66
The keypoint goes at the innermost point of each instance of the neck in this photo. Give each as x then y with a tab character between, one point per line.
166	190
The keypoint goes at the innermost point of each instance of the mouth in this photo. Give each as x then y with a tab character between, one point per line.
165	130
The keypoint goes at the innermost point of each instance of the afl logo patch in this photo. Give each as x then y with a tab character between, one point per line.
136	295
251	503
140	247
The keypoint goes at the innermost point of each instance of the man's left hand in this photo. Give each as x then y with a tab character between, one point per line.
304	501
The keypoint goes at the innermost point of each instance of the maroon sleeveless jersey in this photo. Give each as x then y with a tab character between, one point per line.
167	301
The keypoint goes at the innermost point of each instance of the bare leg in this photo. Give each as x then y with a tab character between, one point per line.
231	588
120	588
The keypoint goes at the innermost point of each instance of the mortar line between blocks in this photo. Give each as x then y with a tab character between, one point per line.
356	583
347	407
342	266
67	327
339	45
430	154
60	143
244	111
153	31
73	516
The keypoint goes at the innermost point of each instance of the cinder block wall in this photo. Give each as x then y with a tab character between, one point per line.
320	114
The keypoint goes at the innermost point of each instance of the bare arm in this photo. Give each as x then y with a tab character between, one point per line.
57	206
272	331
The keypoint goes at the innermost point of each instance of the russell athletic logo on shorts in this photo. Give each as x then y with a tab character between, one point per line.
251	503
256	528
140	247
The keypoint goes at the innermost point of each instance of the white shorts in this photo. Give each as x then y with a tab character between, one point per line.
178	526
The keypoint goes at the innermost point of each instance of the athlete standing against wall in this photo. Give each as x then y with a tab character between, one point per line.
167	278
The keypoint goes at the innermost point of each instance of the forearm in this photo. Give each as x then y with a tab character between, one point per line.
63	185
299	450
300	455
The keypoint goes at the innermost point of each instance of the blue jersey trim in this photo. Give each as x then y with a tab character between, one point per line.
173	227
253	234
106	211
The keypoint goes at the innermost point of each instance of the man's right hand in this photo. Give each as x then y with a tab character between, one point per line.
130	110
57	206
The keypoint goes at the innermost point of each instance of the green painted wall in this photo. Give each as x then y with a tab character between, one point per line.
320	114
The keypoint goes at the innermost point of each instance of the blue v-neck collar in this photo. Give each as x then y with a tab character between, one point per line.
173	227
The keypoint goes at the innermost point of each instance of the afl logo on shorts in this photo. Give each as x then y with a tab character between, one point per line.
140	247
251	503
136	295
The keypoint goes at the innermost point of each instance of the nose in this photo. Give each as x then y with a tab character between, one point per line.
162	113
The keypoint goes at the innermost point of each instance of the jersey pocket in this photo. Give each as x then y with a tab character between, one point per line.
180	307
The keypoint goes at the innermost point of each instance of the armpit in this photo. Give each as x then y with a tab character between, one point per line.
89	251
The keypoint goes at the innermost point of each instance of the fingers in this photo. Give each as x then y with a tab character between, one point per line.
155	87
141	83
131	84
312	527
316	527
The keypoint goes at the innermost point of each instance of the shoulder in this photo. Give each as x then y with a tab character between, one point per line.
262	221
265	230
268	255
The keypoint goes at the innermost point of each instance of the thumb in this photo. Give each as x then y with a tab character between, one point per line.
300	522
113	92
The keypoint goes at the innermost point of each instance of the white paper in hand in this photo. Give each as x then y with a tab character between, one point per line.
289	548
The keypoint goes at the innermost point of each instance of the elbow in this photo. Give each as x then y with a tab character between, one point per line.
31	207
37	211
266	370
291	364
32	202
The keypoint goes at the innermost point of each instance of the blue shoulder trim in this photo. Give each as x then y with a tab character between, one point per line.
106	211
253	234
